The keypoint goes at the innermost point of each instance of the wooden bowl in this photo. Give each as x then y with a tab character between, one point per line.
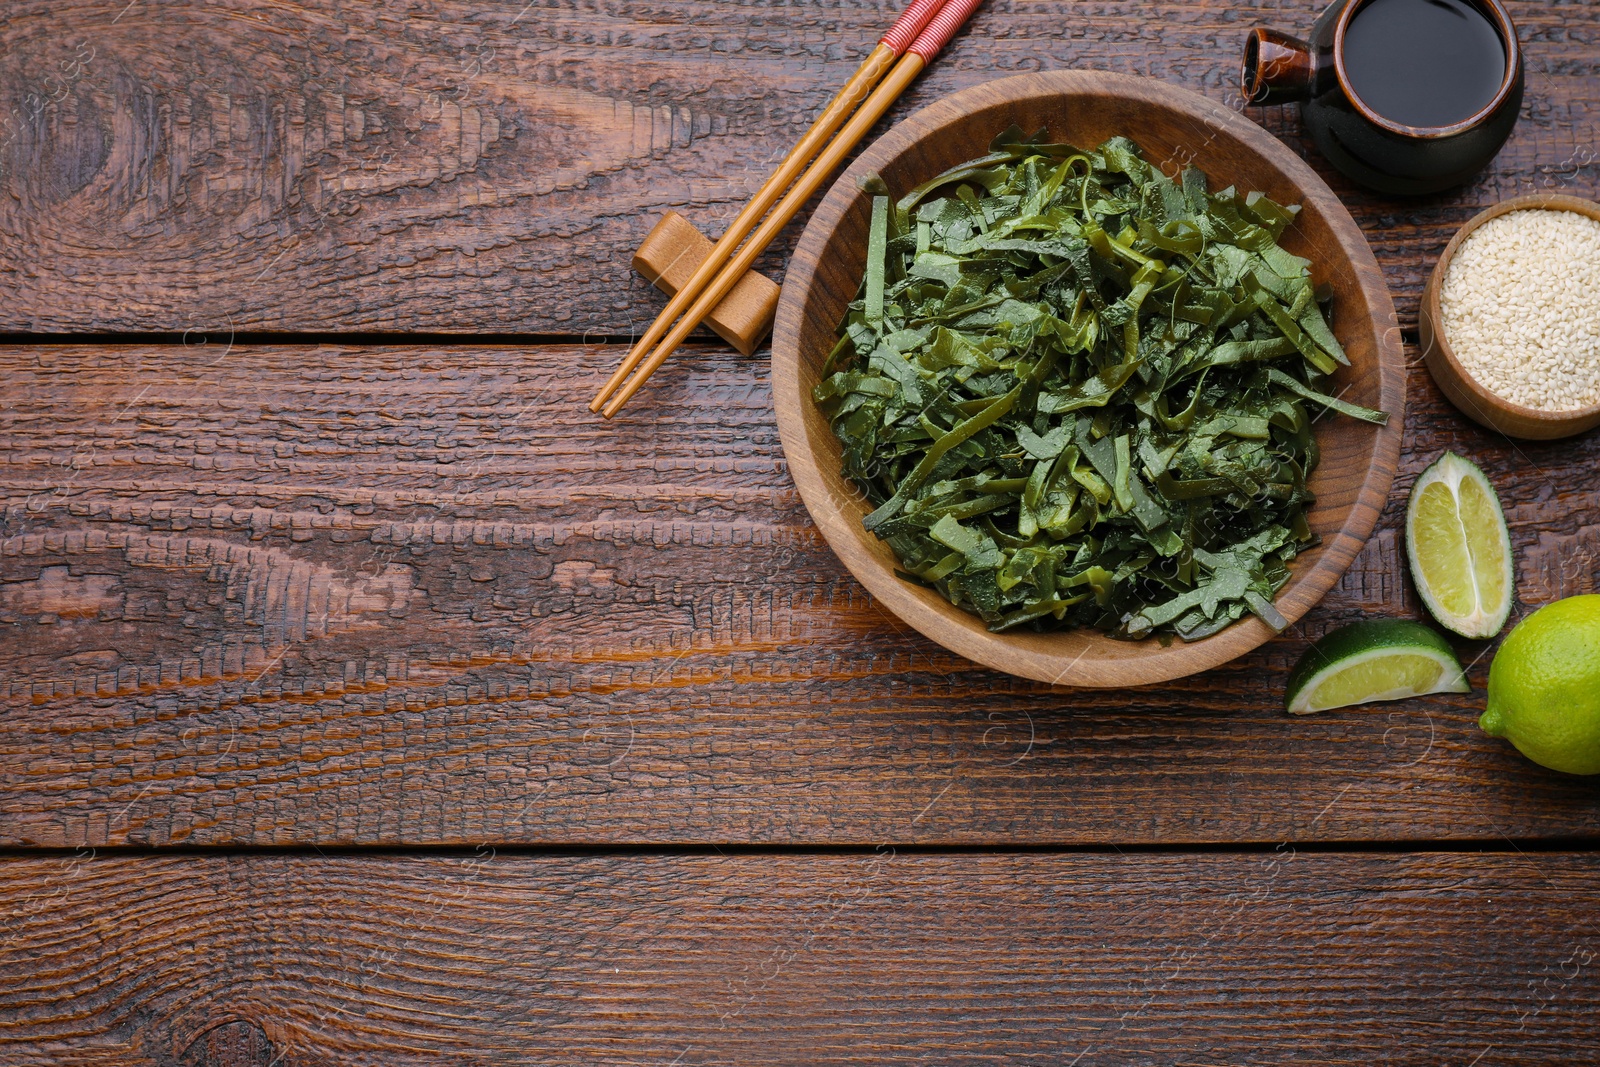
1173	126
1473	400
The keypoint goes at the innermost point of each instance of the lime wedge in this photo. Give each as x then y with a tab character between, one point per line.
1459	549
1378	659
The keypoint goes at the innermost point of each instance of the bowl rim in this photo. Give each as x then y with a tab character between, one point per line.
1153	662
1552	424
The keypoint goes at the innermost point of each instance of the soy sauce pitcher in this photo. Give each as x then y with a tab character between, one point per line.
1404	96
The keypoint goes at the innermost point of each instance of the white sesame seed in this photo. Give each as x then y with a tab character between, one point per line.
1521	308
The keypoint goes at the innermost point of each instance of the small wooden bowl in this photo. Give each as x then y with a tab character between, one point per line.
1173	126
1474	401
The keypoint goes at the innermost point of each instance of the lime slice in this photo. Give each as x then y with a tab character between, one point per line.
1378	659
1459	549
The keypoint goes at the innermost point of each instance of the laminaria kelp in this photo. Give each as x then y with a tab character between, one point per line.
1076	391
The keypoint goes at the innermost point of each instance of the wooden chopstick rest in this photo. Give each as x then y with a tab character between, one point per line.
668	258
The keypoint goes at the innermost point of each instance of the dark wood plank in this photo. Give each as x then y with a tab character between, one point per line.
410	595
878	958
170	165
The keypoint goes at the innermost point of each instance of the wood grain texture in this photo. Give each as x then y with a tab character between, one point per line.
172	164
875	958
416	595
1358	461
349	595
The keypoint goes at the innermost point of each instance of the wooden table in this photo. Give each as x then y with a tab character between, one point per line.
366	701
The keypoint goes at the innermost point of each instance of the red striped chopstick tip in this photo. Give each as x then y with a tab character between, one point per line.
911	22
944	25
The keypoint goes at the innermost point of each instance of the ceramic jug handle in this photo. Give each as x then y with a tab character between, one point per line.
1276	68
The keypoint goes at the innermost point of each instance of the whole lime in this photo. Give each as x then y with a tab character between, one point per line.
1544	687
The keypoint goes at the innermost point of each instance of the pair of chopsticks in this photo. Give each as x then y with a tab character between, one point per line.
921	31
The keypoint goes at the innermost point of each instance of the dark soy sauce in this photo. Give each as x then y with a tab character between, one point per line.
1423	62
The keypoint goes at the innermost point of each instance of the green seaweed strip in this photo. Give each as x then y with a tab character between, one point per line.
877	243
1075	391
1355	411
961	432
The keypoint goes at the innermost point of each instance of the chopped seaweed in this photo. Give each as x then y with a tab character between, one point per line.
1076	391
